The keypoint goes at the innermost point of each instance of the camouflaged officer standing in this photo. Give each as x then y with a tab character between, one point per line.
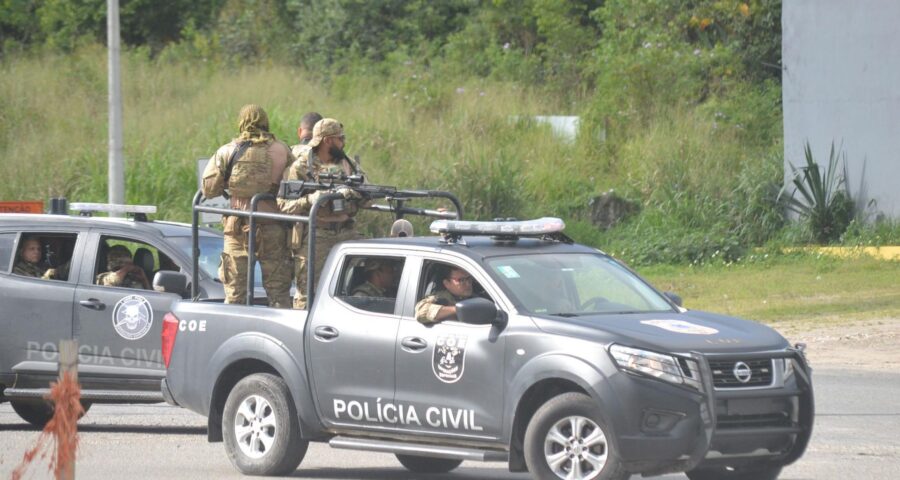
335	222
252	163
298	232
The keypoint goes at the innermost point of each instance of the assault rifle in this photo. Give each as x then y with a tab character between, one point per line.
294	189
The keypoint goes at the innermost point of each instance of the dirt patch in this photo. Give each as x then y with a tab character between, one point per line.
870	345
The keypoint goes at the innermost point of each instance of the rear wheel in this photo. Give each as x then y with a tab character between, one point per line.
755	472
260	426
428	464
38	412
567	438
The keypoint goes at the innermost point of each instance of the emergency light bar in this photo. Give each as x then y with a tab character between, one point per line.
527	228
139	211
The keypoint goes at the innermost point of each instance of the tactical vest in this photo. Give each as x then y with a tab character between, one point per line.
252	172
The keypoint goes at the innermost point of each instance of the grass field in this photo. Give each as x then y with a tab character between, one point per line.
800	290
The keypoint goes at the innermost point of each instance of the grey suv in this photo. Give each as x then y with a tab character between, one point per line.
118	329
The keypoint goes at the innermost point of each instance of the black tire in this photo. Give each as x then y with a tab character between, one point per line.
756	472
561	414
428	464
38	412
267	397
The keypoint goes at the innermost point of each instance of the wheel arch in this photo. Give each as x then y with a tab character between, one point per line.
537	382
251	353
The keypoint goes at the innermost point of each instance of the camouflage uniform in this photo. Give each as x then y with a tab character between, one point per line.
28	269
428	307
332	227
258	170
117	258
367	290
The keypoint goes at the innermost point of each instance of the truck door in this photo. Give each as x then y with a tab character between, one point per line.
351	341
118	326
451	373
37	312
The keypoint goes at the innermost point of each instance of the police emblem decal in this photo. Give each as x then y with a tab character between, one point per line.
132	317
449	358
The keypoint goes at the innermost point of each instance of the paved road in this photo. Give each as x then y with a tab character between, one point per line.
857	436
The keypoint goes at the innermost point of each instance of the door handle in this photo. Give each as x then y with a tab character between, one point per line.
93	304
413	344
326	333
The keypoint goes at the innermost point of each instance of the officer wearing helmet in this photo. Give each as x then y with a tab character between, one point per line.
251	163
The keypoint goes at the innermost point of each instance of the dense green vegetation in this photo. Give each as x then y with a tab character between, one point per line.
679	105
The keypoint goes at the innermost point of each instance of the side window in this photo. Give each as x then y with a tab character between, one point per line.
44	255
370	282
441	286
7	241
438	277
126	263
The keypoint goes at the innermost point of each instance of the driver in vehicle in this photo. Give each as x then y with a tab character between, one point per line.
379	282
122	271
441	305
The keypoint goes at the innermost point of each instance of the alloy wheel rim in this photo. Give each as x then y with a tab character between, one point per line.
576	448
255	426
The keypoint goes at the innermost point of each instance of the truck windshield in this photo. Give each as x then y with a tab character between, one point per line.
210	255
575	284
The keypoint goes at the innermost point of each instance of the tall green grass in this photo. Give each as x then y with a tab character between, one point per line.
704	181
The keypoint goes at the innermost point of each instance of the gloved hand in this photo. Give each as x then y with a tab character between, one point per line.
348	193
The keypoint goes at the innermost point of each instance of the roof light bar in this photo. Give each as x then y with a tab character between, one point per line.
525	228
112	208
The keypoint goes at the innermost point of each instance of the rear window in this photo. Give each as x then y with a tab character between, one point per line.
7	246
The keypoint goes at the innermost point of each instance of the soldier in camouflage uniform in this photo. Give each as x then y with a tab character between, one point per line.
441	305
28	264
379	282
335	222
122	272
298	233
252	163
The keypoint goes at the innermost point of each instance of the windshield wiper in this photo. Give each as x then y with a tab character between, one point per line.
564	314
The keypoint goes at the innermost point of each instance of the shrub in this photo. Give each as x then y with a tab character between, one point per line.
824	203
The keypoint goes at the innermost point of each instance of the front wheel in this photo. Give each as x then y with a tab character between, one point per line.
428	464
567	438
260	426
756	472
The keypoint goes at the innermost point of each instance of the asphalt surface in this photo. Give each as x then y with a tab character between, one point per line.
857	435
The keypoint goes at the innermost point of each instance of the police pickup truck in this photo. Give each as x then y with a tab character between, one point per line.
563	363
117	327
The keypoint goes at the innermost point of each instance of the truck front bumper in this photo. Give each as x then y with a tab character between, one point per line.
668	428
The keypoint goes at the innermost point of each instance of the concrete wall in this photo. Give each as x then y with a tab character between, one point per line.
841	83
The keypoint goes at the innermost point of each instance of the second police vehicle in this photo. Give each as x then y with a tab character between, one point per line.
564	363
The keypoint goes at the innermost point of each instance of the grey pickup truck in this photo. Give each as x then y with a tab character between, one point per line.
562	362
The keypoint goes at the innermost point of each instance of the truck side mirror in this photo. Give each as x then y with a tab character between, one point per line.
171	282
479	311
673	297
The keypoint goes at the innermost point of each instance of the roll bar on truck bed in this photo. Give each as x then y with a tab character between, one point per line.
396	204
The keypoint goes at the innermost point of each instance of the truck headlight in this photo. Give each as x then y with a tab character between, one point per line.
663	367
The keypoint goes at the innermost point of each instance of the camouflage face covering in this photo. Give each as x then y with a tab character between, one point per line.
117	257
253	124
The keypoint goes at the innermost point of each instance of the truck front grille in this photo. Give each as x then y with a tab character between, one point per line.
766	420
738	373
